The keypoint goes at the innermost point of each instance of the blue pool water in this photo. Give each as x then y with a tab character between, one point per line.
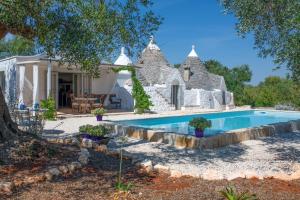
221	122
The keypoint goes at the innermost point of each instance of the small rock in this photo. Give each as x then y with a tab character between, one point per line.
54	171
175	173
83	159
34	179
52	140
76	165
68	141
84	152
61	140
87	143
161	168
48	176
64	169
6	186
147	165
75	141
101	148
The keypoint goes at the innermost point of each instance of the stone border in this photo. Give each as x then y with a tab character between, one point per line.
221	140
53	171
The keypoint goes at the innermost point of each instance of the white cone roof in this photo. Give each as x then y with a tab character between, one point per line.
152	45
193	52
123	58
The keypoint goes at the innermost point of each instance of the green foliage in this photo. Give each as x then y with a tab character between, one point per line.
17	46
49	104
230	194
98	111
235	78
177	65
123	187
97	131
82	33
276	28
272	91
85	128
142	99
200	123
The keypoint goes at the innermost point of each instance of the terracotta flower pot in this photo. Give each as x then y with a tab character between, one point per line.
99	117
199	133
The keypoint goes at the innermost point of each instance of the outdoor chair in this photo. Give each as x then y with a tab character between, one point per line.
74	104
115	101
97	104
85	106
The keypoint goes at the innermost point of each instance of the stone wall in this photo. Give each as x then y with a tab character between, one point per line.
206	99
221	140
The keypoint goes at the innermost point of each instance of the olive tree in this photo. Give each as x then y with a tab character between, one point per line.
80	32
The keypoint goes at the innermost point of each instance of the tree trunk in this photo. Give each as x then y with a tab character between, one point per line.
8	129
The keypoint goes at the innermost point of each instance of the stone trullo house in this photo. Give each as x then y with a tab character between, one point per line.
30	79
190	86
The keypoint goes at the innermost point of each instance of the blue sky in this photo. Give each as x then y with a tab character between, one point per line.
202	22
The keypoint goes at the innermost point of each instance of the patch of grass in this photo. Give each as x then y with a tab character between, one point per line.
230	193
123	186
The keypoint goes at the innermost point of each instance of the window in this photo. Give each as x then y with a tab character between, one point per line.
2	80
186	75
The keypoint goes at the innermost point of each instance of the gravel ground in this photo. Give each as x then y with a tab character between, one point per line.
277	156
96	181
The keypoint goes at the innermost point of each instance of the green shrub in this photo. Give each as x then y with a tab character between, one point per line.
98	130
230	194
49	104
200	123
98	111
85	128
142	99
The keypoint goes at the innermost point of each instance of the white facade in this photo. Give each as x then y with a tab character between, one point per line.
30	79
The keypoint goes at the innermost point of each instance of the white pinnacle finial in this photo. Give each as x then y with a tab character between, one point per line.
123	50
193	52
151	39
152	45
123	58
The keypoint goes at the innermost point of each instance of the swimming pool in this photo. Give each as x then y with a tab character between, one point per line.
221	122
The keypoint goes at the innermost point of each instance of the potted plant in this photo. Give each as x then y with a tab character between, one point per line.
95	133
99	112
200	124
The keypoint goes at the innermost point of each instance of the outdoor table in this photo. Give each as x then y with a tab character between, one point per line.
86	102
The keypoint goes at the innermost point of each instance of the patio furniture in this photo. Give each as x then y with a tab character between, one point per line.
30	120
74	104
115	101
99	102
85	105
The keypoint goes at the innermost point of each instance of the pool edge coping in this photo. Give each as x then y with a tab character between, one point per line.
220	140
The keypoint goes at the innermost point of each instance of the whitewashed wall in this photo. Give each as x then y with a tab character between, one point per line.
105	83
126	97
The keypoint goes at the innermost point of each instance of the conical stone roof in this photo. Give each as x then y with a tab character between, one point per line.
199	77
154	65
